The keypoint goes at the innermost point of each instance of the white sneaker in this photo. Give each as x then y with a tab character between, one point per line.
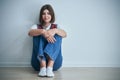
49	72
42	72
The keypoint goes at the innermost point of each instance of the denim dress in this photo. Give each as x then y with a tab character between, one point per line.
43	49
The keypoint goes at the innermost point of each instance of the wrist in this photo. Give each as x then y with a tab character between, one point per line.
56	31
43	31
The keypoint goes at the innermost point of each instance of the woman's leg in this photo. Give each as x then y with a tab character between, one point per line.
36	63
49	70
52	51
57	63
41	56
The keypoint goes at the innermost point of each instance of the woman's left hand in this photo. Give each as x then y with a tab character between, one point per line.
51	39
51	33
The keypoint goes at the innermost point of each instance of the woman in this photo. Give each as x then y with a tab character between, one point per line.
47	39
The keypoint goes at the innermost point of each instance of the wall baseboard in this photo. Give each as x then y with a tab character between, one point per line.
14	64
27	64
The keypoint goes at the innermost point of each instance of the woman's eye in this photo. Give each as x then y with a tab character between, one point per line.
46	13
43	13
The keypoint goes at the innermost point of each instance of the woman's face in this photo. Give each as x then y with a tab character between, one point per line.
46	16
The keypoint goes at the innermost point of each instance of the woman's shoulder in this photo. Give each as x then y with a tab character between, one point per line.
57	25
34	26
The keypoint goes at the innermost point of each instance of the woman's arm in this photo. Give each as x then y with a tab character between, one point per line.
36	32
61	33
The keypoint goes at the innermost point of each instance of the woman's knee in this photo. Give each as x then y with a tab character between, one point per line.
57	37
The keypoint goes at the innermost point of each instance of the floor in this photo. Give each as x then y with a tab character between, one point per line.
73	73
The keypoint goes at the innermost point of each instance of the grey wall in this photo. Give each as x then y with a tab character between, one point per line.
93	28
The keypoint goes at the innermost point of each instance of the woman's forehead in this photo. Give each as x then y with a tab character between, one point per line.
46	10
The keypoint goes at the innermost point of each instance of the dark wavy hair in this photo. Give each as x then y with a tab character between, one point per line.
50	9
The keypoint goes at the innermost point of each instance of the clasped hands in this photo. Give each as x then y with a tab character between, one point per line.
49	35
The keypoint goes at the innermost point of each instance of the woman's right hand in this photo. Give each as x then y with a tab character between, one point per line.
50	38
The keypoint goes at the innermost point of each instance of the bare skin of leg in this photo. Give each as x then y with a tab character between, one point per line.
42	63
50	63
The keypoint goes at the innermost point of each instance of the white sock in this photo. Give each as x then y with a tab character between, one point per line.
42	71
50	72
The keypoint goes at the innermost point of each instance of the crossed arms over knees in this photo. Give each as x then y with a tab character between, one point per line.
48	34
